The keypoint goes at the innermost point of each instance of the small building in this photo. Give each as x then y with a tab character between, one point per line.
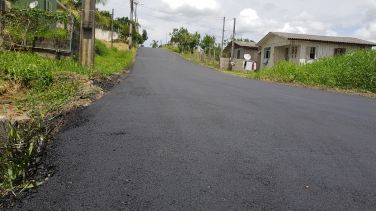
304	48
47	5
240	49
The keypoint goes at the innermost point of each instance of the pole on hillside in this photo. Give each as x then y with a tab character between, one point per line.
233	43
214	58
130	27
87	38
112	29
223	34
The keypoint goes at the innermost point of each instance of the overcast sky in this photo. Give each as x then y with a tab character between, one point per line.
254	18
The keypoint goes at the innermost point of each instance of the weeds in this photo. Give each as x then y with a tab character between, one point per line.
354	70
24	145
111	60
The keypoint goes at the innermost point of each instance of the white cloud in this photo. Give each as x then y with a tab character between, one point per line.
367	33
331	33
199	4
250	14
303	23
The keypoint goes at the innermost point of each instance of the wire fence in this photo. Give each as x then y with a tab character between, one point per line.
22	29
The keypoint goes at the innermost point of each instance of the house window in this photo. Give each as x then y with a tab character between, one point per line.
294	52
312	54
48	6
339	51
267	53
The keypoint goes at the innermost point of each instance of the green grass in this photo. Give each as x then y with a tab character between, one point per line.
112	60
172	48
193	57
43	85
48	83
353	71
57	33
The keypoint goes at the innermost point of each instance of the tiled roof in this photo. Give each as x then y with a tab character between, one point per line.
241	44
246	44
348	40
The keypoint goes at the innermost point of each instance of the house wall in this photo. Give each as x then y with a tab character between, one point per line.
324	49
41	4
255	56
278	46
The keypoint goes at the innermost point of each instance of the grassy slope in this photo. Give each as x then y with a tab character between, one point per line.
352	71
46	83
42	85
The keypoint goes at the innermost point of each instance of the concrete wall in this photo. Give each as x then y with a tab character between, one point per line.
251	51
105	35
52	48
239	65
223	64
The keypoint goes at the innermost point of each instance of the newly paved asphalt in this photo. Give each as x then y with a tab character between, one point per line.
178	136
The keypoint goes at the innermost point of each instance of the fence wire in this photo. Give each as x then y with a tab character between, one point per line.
19	28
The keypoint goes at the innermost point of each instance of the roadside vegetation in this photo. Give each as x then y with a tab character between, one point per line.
38	86
354	71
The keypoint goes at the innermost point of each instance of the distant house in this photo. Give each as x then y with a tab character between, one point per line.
47	5
303	48
242	48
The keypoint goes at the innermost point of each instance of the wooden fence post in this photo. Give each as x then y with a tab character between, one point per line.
214	58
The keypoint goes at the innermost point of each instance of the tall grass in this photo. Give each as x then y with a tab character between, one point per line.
355	70
50	83
111	60
172	48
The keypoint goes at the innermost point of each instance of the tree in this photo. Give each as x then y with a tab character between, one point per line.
144	36
184	39
136	37
154	44
194	41
207	42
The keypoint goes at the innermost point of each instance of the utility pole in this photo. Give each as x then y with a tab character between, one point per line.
223	34
233	42
135	15
130	27
87	44
112	29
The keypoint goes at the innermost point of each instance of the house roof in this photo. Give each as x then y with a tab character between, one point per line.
241	44
317	38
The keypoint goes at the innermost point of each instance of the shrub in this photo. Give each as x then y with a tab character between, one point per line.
101	48
353	70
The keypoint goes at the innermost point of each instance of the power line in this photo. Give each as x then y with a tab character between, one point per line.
180	22
178	14
183	15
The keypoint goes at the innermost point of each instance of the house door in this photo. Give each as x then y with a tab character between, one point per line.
286	54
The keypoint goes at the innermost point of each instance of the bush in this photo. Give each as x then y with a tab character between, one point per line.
354	70
172	48
101	48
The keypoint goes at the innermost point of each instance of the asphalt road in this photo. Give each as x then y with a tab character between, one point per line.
178	136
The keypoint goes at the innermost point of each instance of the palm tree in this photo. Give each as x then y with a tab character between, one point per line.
154	44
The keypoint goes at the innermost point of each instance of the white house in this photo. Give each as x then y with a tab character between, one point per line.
303	48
